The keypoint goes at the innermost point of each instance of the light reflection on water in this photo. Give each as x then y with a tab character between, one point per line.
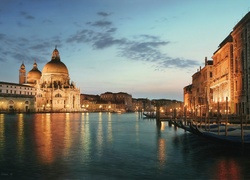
2	136
113	146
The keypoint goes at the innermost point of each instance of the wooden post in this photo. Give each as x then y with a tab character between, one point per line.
185	115
218	117
241	126
158	121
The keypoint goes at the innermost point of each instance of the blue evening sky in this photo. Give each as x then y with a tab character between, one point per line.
147	48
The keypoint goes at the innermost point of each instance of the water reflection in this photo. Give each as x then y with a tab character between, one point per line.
110	134
85	137
227	169
161	144
99	135
43	138
67	137
109	146
2	135
20	136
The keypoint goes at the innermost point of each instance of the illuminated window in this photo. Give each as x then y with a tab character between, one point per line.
58	95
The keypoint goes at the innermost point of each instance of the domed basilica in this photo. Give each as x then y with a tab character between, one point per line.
54	92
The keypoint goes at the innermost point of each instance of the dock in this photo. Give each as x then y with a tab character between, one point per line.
233	130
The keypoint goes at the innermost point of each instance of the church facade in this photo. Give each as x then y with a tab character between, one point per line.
54	91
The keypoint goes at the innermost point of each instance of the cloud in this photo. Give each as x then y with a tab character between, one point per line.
111	30
100	23
142	47
178	62
107	41
26	15
23	49
82	36
103	14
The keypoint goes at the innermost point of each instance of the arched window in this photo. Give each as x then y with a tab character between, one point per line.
58	95
11	102
26	102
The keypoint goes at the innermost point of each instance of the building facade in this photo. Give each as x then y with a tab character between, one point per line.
198	95
241	70
222	83
122	100
230	85
17	98
54	91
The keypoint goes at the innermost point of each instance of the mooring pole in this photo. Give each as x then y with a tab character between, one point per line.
218	117
226	115
158	120
241	126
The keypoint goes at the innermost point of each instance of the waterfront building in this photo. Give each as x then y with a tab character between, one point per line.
53	90
168	106
187	94
93	103
122	100
230	72
198	95
17	97
142	104
241	69
222	83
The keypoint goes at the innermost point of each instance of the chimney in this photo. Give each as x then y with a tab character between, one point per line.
205	61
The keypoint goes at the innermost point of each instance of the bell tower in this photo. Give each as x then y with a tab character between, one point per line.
22	74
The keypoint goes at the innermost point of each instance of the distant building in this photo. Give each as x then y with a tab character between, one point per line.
122	100
142	104
17	98
168	106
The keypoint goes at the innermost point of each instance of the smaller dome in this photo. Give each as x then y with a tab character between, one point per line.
34	74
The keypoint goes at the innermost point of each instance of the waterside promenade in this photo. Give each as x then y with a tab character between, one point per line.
230	129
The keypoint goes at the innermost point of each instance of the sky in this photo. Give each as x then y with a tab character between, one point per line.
147	48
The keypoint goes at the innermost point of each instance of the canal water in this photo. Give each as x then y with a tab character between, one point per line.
110	146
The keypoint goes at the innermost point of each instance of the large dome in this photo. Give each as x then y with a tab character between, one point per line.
55	65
